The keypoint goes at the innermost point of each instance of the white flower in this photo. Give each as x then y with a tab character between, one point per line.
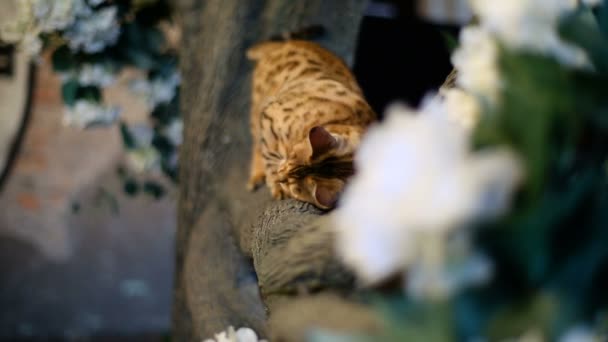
35	16
476	60
530	25
53	15
461	107
93	31
31	44
174	132
439	281
240	335
99	75
143	156
580	333
416	178
95	75
159	90
86	113
142	133
143	159
84	28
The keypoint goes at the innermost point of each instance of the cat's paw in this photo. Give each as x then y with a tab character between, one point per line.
277	192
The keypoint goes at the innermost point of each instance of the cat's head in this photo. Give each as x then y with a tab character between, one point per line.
317	168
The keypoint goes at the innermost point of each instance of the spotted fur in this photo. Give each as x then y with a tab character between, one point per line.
307	117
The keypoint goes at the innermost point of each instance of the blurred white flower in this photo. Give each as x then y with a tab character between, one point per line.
416	177
99	75
93	30
142	134
87	113
95	75
580	333
53	15
158	91
36	16
461	107
174	132
143	159
530	25
476	60
15	20
84	29
31	44
143	156
240	335
440	280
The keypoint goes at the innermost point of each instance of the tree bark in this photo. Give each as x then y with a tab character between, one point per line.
223	230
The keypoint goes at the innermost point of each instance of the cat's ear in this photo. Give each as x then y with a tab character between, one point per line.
326	197
321	141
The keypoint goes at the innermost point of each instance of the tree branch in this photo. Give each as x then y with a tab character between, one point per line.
219	223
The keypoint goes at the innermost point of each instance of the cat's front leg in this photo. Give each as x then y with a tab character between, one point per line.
256	171
276	190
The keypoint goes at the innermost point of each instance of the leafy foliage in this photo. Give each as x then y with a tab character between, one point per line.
141	44
550	252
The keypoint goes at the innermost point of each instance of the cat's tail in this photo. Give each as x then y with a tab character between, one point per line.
307	33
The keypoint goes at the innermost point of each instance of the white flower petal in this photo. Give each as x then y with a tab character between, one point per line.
246	335
174	132
530	25
143	159
93	31
476	60
95	75
417	179
158	90
86	113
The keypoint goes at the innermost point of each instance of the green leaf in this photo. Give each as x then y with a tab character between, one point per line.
154	189
127	138
449	40
131	187
141	59
69	92
599	118
163	145
601	13
89	93
63	59
155	40
538	93
152	12
581	28
136	43
517	319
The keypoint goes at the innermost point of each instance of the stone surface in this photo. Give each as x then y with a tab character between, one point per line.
77	256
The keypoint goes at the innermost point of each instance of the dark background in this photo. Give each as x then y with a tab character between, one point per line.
401	58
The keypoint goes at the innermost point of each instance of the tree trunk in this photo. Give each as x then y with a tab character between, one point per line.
225	231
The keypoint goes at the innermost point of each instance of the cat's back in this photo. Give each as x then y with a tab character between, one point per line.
281	65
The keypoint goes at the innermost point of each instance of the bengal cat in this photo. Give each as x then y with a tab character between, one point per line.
307	117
